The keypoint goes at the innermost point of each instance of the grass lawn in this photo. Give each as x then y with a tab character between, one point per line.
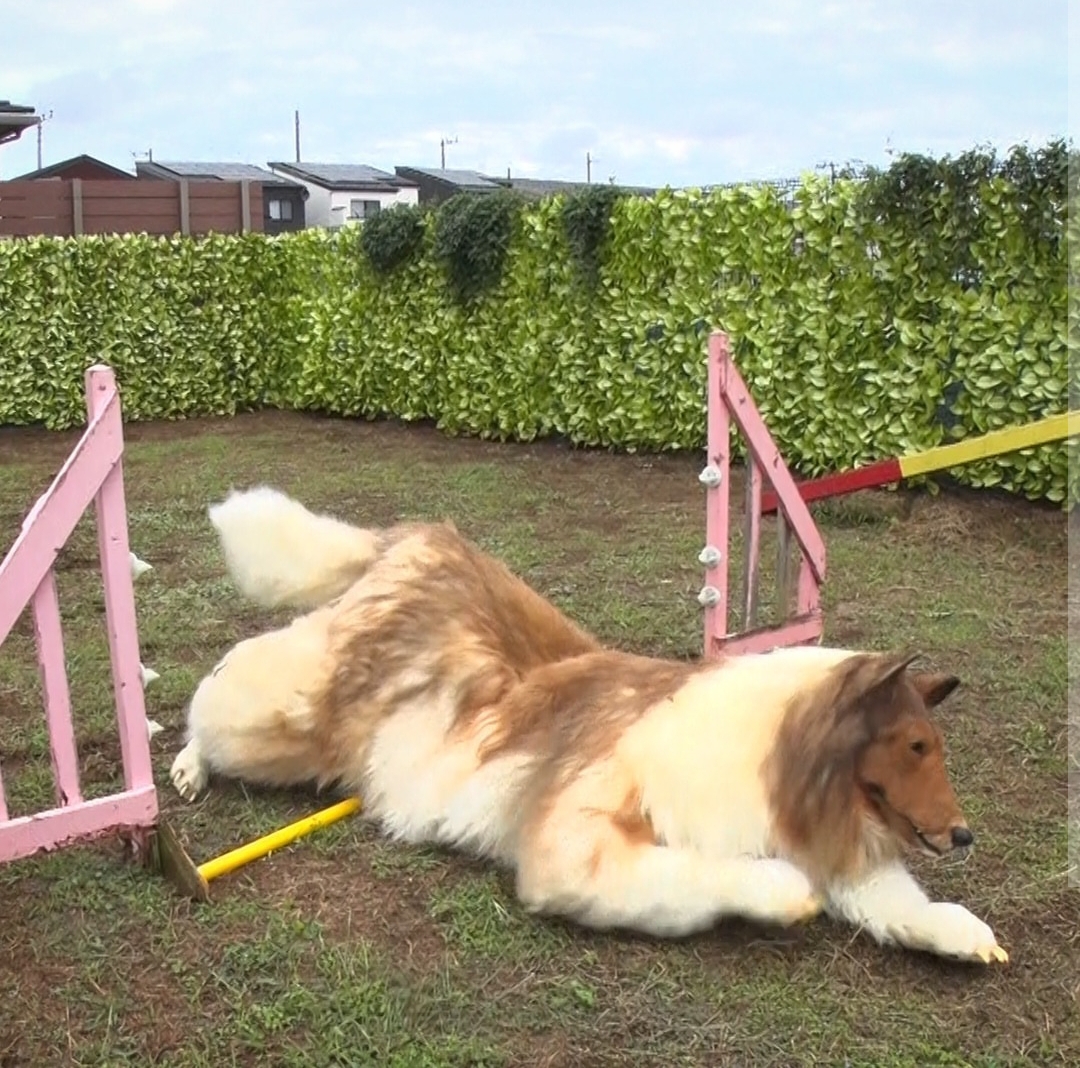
346	950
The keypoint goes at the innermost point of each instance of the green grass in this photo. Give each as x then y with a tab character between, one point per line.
347	949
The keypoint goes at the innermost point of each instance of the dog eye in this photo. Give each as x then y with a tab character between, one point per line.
918	747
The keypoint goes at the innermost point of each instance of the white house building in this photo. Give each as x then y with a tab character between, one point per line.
340	192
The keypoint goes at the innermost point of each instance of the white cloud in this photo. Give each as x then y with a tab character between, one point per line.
708	90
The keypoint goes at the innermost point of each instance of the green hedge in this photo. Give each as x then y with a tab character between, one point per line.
871	317
191	327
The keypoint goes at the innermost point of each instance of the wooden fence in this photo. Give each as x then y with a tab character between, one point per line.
113	206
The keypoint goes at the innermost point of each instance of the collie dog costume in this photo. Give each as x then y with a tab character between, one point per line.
623	791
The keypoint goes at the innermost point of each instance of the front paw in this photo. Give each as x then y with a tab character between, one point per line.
950	930
780	893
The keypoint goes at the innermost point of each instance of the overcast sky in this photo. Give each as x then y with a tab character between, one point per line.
682	93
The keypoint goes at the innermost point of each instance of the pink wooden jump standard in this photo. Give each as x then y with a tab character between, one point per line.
729	399
93	472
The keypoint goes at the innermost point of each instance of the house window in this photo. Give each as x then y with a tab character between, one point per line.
363	209
280	209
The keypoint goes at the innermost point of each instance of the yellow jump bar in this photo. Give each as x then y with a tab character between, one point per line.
237	858
1053	428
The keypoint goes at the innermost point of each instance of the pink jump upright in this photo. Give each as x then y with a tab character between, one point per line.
92	473
729	400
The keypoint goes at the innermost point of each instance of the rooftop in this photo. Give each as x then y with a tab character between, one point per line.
344	175
546	187
225	172
58	168
464	180
15	119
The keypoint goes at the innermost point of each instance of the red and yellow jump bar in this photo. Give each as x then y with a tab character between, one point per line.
896	469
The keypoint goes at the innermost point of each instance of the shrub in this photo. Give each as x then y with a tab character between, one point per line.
586	218
393	237
473	233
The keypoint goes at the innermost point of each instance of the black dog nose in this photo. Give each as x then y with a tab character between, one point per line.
962	837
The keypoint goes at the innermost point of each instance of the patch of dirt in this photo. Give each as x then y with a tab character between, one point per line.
352	903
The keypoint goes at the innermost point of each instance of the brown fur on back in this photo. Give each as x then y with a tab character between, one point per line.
433	614
576	709
571	714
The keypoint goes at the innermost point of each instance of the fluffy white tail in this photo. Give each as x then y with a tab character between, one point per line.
279	553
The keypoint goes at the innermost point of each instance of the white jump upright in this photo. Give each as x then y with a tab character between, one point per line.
92	473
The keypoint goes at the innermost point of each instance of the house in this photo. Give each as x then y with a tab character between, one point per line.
84	166
340	192
283	199
15	119
436	184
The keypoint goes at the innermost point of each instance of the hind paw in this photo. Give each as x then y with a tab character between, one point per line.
189	772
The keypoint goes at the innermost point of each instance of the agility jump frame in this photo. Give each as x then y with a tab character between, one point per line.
729	401
93	472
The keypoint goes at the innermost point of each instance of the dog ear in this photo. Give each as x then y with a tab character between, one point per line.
935	686
871	671
866	678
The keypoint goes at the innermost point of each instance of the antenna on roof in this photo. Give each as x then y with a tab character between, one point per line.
296	120
442	147
40	123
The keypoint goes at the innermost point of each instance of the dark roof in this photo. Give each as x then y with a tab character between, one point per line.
344	176
225	172
544	187
14	119
56	168
464	181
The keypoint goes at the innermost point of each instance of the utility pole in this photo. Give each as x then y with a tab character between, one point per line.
442	148
41	122
296	119
589	161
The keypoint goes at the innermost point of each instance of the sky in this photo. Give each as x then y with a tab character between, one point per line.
680	93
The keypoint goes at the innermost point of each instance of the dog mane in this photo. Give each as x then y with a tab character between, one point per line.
821	813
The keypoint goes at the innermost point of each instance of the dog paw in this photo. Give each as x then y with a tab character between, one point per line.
781	894
952	931
808	909
189	772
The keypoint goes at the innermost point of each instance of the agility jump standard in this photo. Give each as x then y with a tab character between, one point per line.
91	475
729	402
940	458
